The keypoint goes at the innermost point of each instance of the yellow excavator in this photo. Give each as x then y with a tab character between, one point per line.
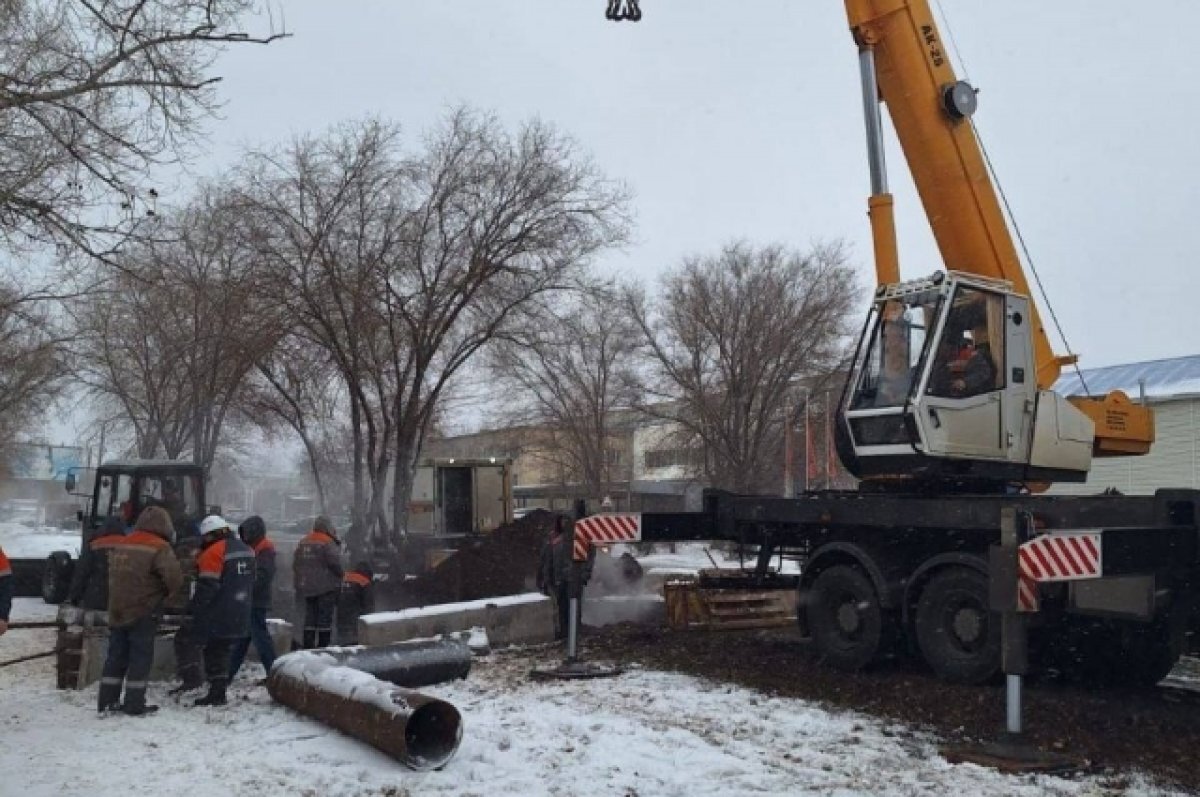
951	384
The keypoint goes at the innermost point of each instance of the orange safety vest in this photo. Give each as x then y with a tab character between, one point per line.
356	578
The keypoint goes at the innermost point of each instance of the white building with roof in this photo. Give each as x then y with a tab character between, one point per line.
1172	388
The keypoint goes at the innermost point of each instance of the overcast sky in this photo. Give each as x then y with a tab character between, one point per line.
742	119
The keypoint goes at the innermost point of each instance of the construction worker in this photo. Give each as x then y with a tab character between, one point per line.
253	532
356	598
554	572
189	648
89	584
317	570
142	573
220	606
6	591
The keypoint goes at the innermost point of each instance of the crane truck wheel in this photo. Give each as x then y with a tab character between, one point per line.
847	623
958	635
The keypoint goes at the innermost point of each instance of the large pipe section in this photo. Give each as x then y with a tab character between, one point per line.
408	664
419	731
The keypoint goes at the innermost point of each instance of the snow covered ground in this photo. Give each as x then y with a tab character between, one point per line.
26	542
644	733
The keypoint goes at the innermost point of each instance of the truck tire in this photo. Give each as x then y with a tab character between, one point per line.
845	618
56	578
957	633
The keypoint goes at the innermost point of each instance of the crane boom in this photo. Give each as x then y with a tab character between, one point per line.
930	110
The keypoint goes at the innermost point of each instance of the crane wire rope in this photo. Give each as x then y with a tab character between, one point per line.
1008	211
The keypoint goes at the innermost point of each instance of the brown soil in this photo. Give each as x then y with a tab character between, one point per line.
1151	731
502	562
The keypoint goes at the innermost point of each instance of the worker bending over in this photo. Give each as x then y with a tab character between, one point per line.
356	599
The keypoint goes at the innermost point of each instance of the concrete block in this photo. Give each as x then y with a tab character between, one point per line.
95	649
509	620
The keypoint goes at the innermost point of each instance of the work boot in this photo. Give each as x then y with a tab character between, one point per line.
109	697
139	711
186	686
215	696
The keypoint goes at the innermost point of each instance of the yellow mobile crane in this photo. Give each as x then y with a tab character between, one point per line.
949	419
951	384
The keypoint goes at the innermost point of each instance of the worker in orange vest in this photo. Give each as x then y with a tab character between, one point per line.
356	598
317	574
6	591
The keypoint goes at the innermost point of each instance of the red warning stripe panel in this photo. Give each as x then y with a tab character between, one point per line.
1027	594
605	529
1062	557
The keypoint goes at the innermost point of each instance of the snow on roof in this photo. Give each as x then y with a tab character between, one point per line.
1169	378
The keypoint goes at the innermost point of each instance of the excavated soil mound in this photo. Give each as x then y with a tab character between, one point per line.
502	562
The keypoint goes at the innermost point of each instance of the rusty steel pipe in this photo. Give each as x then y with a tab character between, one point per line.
408	664
419	731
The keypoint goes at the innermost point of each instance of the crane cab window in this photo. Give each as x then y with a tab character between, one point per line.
969	359
892	363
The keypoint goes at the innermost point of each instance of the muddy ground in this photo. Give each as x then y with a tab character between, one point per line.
1152	731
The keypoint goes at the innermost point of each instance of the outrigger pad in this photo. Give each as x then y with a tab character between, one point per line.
1015	756
575	670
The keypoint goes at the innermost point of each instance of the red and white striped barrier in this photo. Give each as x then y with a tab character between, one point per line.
603	529
1027	594
1063	557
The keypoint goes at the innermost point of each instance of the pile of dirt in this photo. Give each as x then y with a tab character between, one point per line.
1117	731
502	562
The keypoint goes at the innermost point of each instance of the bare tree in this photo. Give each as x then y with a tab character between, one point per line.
183	323
402	265
566	372
297	388
93	93
32	364
727	339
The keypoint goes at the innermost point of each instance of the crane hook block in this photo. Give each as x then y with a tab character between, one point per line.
959	99
618	10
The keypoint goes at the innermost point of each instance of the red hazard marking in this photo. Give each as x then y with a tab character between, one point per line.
1027	594
605	529
1062	557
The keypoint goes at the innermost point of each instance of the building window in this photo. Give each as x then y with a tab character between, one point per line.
669	457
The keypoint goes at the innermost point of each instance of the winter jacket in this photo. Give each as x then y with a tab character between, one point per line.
356	599
6	586
187	550
254	533
554	570
220	606
89	584
317	565
142	570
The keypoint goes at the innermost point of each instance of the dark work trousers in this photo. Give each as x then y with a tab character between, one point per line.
130	657
263	644
217	651
188	656
563	606
318	620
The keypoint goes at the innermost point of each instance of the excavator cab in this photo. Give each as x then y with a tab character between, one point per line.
943	391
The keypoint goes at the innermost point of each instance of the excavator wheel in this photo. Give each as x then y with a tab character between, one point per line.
848	625
958	635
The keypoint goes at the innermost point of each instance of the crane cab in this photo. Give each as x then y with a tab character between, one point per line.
943	390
